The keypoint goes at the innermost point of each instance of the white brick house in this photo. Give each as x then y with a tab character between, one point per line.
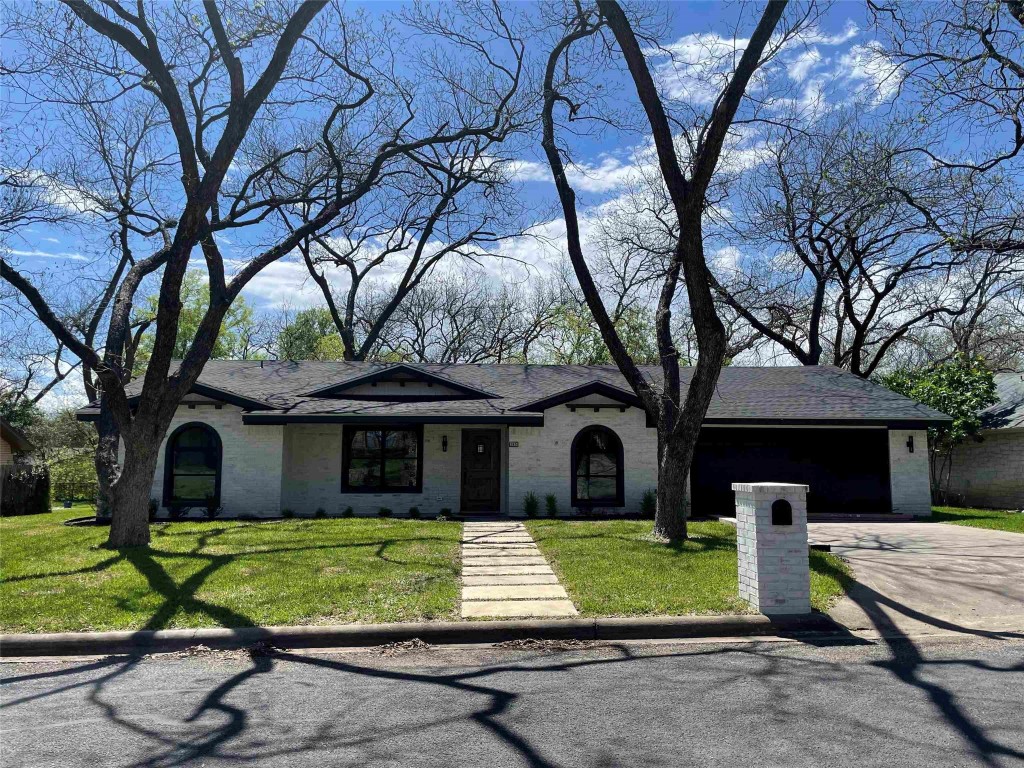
265	438
989	472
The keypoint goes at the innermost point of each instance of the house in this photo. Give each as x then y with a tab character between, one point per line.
263	437
12	443
990	472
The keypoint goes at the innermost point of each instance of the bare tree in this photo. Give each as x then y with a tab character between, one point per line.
443	205
243	95
854	244
687	180
462	316
963	63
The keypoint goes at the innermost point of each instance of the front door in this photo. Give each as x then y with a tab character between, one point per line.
481	470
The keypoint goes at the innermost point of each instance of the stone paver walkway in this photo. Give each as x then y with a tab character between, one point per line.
505	575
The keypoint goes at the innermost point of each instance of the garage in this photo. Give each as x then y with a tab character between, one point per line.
847	469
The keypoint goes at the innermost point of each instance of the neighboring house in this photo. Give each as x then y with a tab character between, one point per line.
12	443
990	473
262	437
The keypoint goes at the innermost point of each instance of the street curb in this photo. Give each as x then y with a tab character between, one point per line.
437	633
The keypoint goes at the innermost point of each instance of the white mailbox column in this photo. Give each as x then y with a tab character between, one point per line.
771	541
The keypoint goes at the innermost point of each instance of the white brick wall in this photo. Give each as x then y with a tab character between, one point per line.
251	469
298	466
990	473
312	472
774	568
541	463
909	473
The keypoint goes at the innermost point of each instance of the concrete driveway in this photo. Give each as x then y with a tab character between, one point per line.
928	577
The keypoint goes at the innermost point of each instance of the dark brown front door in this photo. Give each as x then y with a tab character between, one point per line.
481	470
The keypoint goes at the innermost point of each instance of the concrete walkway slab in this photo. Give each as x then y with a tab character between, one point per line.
925	577
469	553
497	561
523	578
504	574
506	570
514	592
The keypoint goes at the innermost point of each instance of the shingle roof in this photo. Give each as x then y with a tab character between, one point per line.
762	395
14	437
1008	412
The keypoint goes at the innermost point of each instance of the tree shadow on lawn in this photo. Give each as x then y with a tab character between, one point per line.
699	541
184	596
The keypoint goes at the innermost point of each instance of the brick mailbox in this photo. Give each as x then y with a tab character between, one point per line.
771	542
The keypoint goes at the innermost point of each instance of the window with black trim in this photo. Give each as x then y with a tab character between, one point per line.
597	468
382	459
192	466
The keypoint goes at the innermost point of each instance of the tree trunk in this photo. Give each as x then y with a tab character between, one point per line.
673	488
106	463
129	496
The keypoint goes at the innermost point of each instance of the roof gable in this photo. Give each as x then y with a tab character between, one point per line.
402	374
572	394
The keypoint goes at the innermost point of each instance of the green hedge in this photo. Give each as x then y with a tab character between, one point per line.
26	489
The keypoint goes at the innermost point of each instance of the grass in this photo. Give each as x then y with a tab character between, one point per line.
57	578
980	518
613	568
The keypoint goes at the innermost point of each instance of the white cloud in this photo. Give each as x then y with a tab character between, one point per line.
608	173
814	35
726	258
37	254
285	283
799	68
869	72
698	66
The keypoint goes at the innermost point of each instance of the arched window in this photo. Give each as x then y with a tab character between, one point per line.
192	466
597	468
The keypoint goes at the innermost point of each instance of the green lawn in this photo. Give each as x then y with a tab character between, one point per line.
226	573
980	518
612	568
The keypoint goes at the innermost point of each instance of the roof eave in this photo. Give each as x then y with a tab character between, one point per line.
516	419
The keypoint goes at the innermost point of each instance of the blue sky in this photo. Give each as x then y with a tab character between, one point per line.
833	61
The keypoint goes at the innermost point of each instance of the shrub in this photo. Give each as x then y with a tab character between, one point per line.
154	506
348	512
211	508
176	512
414	513
530	504
287	513
320	512
383	512
551	505
649	504
445	514
25	489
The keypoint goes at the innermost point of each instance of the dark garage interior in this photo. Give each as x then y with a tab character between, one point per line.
847	469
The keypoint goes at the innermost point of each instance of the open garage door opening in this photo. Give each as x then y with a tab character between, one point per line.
847	469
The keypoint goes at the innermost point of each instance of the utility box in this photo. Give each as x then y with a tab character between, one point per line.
771	543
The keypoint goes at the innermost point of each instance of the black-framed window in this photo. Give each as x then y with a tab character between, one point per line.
597	461
382	459
192	465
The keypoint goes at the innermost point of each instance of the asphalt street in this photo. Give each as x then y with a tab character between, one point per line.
936	702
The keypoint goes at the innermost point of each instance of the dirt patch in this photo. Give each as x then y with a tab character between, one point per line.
533	644
262	648
405	646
